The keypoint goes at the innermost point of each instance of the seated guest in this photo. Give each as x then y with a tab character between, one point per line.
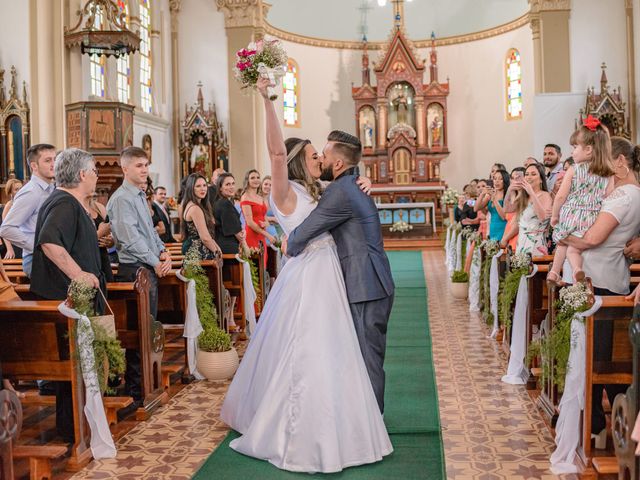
230	234
198	225
161	214
531	202
604	260
464	212
511	230
12	187
20	224
66	248
137	243
493	201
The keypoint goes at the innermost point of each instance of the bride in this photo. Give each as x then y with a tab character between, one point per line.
302	398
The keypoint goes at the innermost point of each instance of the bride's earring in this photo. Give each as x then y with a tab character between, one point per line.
623	176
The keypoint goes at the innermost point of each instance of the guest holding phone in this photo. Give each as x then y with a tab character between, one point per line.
493	201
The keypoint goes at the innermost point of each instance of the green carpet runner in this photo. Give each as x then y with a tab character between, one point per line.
411	401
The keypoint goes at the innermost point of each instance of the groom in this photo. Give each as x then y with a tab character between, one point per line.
352	219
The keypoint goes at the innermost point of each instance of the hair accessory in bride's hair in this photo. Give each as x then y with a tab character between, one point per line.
591	123
296	150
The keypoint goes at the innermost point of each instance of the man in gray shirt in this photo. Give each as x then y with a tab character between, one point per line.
137	243
20	225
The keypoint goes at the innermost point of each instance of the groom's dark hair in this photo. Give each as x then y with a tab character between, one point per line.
347	145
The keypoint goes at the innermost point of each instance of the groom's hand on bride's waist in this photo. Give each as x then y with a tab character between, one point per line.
283	245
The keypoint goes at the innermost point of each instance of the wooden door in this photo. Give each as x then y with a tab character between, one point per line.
402	166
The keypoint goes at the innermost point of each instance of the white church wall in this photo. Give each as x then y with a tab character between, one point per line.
15	41
591	45
479	133
202	52
555	120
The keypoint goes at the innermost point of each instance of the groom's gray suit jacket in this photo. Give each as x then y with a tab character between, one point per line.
352	219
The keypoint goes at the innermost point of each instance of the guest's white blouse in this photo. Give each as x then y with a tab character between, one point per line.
606	264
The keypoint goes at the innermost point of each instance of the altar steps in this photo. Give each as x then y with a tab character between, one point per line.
430	243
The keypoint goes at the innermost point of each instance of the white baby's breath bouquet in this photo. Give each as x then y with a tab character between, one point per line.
450	197
265	57
520	260
575	297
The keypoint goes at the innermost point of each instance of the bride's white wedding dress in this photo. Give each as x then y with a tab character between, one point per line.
302	398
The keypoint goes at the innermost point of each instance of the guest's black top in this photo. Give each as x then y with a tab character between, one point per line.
466	212
227	225
63	221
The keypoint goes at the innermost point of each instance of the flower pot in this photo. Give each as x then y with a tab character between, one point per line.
460	289
217	365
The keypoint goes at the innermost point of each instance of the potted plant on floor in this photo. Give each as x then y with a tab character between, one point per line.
216	358
460	284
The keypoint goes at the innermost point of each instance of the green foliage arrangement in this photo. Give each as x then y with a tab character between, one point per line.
212	338
252	257
554	348
459	276
508	291
107	350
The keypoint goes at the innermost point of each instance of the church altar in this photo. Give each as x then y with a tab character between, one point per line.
402	124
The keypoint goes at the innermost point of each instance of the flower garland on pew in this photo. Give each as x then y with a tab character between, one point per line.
107	350
490	247
519	266
555	347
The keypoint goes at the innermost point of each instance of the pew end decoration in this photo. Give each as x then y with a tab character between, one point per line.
216	358
519	265
460	284
252	257
264	58
489	249
108	352
555	347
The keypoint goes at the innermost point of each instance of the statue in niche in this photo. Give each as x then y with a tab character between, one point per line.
435	123
199	162
367	122
401	106
436	131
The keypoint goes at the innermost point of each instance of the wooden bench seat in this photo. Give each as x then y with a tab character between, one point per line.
169	369
40	457
605	465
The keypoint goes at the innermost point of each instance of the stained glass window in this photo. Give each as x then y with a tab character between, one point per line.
514	85
145	56
291	96
97	62
123	63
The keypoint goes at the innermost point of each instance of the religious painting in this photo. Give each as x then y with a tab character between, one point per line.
199	161
147	146
401	96
435	125
102	130
418	216
386	217
400	215
367	123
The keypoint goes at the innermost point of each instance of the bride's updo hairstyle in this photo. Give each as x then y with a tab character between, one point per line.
297	166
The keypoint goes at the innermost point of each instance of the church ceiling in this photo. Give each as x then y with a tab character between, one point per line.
341	19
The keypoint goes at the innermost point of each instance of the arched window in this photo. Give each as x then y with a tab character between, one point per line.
514	85
97	62
145	55
123	63
291	97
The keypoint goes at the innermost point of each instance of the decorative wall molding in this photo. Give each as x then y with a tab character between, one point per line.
175	6
353	45
549	5
242	13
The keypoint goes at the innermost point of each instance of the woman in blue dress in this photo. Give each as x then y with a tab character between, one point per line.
494	202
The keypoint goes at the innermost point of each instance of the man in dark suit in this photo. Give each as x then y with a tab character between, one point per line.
160	214
352	219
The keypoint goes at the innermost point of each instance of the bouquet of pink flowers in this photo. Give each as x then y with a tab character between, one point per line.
265	57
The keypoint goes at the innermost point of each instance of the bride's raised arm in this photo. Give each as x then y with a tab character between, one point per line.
277	150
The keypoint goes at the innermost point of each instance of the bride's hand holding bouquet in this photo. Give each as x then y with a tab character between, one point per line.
264	58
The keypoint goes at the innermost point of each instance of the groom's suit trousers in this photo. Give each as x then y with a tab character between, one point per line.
370	320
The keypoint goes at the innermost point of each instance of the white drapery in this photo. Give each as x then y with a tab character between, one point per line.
446	246
517	373
474	280
249	296
102	445
458	263
192	326
494	285
572	402
451	252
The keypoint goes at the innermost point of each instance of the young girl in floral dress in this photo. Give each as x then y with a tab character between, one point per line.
580	196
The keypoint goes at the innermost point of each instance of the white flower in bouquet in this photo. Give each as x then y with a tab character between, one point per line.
520	260
401	227
575	296
265	57
450	197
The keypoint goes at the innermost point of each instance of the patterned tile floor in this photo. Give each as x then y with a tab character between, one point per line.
491	430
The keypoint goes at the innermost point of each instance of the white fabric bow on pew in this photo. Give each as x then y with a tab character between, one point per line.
249	296
517	373
458	263
446	246
192	326
572	402
474	280
102	445
494	285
